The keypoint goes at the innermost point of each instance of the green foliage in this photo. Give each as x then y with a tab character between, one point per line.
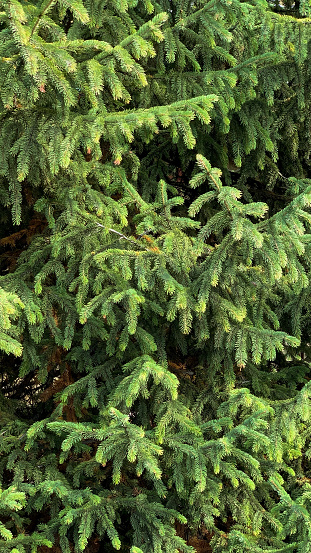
155	276
10	306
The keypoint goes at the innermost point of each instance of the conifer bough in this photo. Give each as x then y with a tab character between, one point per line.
155	265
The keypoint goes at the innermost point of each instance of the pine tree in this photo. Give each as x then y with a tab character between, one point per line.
154	291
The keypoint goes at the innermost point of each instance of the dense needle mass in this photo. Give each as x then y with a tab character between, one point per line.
155	266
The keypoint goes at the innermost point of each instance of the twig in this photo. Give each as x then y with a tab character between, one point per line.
122	236
39	17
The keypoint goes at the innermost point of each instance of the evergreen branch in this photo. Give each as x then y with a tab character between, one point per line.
43	12
106	118
202	162
193	17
